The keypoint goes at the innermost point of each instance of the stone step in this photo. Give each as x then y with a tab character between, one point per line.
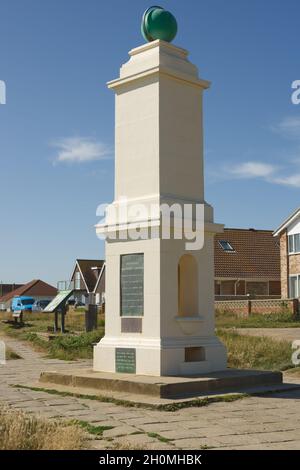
230	380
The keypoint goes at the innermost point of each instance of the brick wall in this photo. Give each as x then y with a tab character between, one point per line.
284	267
294	264
248	307
289	264
240	307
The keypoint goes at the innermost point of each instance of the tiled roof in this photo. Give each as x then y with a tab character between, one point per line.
32	288
256	254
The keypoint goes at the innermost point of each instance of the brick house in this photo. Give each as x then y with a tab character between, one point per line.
247	262
289	235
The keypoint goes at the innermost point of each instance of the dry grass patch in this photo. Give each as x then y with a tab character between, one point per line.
255	352
10	354
23	431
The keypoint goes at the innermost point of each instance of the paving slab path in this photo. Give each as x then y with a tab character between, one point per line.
268	422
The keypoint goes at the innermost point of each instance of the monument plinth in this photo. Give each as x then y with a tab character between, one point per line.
159	295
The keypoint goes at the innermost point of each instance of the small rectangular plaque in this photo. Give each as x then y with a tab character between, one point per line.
125	360
131	325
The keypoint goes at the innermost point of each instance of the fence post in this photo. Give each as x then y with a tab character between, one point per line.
249	307
296	307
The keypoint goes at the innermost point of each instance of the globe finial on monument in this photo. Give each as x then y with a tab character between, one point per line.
158	23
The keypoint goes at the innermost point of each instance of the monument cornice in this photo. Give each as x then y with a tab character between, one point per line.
159	70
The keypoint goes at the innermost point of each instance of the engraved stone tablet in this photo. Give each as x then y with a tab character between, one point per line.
125	360
132	285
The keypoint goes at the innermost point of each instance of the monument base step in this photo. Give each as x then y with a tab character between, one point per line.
228	381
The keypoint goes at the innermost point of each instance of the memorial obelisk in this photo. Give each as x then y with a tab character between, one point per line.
159	294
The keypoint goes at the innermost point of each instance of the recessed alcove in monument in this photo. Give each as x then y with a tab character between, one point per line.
187	286
194	354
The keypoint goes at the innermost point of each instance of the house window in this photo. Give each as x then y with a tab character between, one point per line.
294	243
293	287
226	246
77	280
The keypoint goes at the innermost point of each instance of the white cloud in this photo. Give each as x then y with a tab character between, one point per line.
287	173
291	180
289	127
80	150
266	172
252	170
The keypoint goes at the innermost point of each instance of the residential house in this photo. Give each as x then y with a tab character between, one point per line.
289	235
37	289
6	288
88	280
247	262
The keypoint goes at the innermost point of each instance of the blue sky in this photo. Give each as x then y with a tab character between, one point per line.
56	129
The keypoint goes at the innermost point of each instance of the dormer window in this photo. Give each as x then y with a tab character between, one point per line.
226	246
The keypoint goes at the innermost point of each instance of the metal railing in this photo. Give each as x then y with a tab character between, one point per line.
67	285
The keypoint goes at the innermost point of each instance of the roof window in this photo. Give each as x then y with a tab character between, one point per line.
226	246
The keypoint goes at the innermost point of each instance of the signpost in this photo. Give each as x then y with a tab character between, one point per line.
18	314
59	303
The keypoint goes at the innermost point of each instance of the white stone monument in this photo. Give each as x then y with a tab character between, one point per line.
159	294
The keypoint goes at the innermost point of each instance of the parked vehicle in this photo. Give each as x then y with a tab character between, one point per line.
78	303
22	303
39	305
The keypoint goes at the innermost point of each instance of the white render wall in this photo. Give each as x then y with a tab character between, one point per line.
294	227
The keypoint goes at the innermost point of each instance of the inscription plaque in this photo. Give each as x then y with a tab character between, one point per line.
132	285
131	325
125	360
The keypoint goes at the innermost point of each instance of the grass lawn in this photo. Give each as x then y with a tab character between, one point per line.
76	344
254	352
272	320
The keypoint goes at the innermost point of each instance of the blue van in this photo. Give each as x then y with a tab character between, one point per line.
22	303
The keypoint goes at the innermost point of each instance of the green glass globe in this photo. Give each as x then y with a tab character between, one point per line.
158	23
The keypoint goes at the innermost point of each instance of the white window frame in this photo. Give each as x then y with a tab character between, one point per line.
230	250
77	281
297	293
292	244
